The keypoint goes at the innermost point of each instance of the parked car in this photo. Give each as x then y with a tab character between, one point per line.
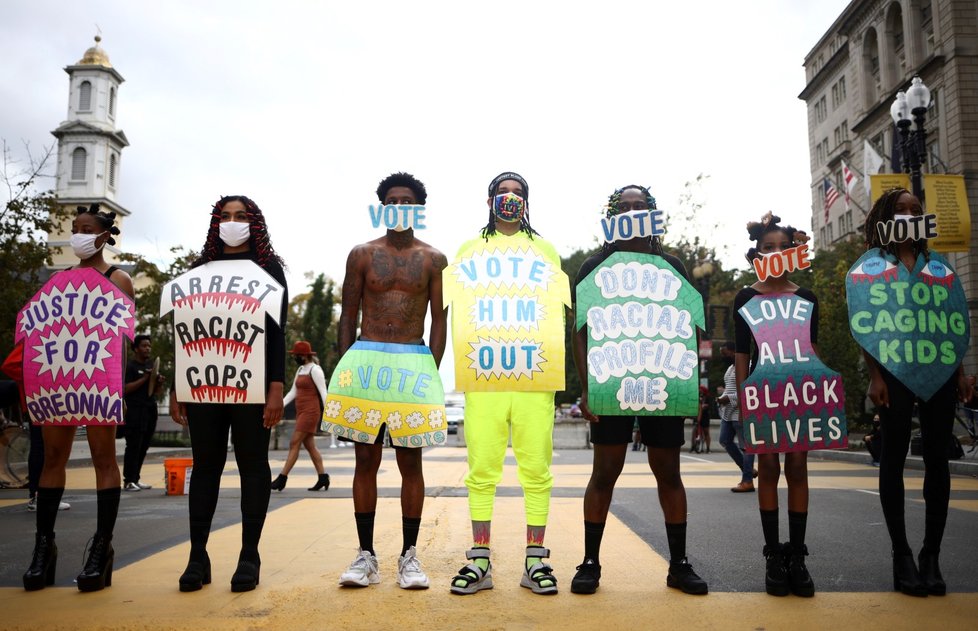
454	416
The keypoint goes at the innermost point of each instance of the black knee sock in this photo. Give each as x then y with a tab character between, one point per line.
108	510
410	526
796	528
365	530
676	535
48	501
934	532
593	531
769	524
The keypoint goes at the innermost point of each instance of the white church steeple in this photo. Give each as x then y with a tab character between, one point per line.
89	147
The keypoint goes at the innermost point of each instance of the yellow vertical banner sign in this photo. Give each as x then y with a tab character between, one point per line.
947	198
882	182
507	297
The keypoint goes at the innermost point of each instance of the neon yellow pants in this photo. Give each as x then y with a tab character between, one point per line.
488	419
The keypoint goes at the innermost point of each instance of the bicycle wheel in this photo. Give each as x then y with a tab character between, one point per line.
15	445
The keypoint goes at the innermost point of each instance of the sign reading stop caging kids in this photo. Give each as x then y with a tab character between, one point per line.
913	322
507	317
73	333
641	318
219	314
792	401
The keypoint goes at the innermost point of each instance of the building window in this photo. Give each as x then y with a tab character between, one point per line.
839	93
112	167
821	110
79	158
848	218
878	142
111	101
821	236
828	231
85	97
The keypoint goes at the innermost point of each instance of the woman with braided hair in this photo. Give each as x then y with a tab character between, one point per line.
786	571
895	402
91	230
237	233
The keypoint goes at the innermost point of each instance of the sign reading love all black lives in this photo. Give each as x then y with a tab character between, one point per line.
913	322
219	329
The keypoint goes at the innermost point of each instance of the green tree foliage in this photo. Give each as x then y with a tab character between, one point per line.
312	318
27	216
149	280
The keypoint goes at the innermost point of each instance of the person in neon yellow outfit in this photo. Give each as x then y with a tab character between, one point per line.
500	396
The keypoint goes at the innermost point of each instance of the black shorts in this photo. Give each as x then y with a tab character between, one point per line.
383	438
664	432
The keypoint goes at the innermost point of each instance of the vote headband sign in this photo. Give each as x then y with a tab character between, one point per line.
397	217
73	331
792	401
507	317
641	316
914	323
219	314
633	224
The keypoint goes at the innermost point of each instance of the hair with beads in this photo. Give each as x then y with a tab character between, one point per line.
490	228
883	210
104	219
402	179
612	209
259	243
771	223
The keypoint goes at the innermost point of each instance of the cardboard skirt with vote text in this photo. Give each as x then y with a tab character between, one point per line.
791	401
641	317
914	323
507	317
219	312
73	331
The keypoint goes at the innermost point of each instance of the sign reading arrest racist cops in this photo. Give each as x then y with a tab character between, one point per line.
219	314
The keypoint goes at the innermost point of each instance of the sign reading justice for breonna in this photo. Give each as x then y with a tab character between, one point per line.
73	331
914	323
641	317
792	401
507	297
219	326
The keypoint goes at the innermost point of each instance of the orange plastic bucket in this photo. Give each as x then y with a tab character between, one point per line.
178	471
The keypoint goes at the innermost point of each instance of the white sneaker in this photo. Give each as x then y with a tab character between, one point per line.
144	487
362	572
63	505
131	486
32	505
409	572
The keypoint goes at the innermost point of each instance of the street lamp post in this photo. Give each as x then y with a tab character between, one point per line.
913	143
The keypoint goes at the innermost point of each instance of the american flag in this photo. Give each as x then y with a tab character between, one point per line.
849	180
831	194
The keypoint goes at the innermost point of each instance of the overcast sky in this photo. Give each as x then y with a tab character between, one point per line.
305	106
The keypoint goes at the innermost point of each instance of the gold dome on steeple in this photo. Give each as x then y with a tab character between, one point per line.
95	56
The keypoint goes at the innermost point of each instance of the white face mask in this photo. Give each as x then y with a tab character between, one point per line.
234	233
84	245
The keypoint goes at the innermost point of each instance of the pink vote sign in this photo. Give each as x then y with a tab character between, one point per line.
73	331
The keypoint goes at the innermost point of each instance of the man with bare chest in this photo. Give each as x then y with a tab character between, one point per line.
386	383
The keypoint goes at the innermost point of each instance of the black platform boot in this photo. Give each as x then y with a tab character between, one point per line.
246	575
905	576
279	483
197	574
776	574
97	573
44	563
930	573
799	579
322	483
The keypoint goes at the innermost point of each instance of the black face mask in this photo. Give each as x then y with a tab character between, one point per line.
299	359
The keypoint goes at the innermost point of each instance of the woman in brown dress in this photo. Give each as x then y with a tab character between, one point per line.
309	393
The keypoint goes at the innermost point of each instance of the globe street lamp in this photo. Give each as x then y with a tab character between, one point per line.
913	143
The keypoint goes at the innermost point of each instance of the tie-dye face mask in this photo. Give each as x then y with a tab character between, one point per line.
508	207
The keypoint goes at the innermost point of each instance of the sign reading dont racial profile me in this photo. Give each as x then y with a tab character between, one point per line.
73	330
641	318
219	329
791	401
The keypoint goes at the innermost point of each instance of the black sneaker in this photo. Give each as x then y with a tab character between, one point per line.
799	579
681	576
587	578
776	574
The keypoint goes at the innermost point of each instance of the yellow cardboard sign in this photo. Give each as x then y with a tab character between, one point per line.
882	182
947	198
507	296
